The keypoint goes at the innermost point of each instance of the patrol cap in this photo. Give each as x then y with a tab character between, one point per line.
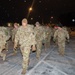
37	23
24	20
15	23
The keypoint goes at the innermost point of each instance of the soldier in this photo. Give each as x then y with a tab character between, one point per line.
3	39
14	31
54	29
61	35
48	33
9	28
4	29
39	34
65	28
26	39
66	31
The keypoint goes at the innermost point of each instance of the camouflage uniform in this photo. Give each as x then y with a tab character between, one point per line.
66	31
3	39
26	38
4	29
65	28
40	35
54	30
61	36
48	33
10	31
14	31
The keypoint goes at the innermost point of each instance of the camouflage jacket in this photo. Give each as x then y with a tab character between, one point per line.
6	32
14	31
2	38
39	33
61	35
48	33
25	36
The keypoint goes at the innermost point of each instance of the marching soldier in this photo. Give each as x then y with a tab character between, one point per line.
14	31
3	39
61	35
26	39
39	34
48	34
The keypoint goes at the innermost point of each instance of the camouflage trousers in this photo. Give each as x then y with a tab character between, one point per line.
61	48
47	45
38	51
25	52
3	55
47	42
13	37
6	46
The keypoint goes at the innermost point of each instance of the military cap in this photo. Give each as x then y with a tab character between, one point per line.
37	23
15	23
24	20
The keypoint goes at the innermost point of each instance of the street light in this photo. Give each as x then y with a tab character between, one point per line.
30	9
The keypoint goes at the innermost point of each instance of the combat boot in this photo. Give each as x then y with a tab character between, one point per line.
38	58
28	61
4	57
14	52
23	71
62	54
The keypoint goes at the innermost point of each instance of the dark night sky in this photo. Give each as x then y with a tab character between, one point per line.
16	10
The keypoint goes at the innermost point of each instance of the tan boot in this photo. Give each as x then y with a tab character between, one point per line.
38	58
4	57
14	52
62	54
23	71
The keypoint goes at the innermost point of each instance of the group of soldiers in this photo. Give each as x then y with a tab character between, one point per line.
29	37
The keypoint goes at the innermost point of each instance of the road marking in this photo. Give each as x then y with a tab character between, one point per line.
29	73
55	68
